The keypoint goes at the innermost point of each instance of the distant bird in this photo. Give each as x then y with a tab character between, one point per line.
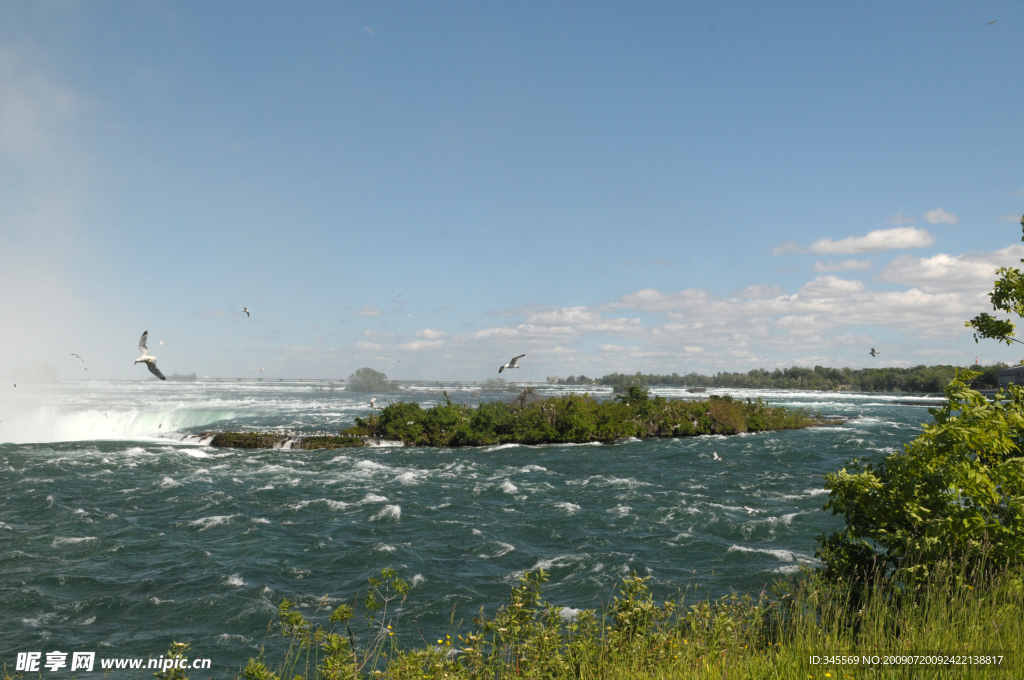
373	402
715	455
873	352
161	343
512	364
261	370
105	415
148	358
15	384
991	22
246	310
86	368
75	355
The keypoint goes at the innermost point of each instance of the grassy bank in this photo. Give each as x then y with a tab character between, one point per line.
768	636
531	419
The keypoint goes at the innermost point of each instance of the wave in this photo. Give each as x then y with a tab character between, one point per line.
59	541
210	522
333	505
503	549
501	446
388	512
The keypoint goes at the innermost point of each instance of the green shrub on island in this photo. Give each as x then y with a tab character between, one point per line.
269	440
574	418
370	381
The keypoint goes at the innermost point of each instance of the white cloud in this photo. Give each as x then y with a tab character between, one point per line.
875	241
940	216
368	346
368	30
844	266
973	272
1009	218
789	248
368	311
830	286
900	218
830	320
758	292
420	345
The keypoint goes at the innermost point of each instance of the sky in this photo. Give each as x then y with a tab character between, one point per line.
431	188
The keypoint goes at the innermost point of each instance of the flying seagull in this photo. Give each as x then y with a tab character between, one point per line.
161	343
373	402
873	352
148	358
715	454
246	310
75	355
511	364
261	370
991	22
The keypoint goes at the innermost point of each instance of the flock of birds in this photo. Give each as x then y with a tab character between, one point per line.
150	360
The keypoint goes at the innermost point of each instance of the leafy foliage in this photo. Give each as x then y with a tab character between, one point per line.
532	419
370	381
956	492
633	636
1008	297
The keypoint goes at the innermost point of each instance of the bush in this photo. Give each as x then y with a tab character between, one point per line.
954	493
369	380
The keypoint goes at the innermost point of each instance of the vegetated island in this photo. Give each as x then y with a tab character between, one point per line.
533	419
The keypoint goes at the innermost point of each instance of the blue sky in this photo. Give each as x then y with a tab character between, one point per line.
653	187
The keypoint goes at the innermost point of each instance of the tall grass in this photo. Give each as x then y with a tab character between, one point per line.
770	636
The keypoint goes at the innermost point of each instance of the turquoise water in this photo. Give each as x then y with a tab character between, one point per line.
120	533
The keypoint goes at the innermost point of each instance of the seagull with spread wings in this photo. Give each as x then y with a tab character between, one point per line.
148	358
873	352
246	310
512	364
75	355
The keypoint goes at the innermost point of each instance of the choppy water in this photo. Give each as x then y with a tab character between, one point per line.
116	536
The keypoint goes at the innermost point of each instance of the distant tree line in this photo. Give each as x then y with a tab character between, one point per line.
916	379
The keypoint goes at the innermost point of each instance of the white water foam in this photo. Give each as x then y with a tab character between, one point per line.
570	508
59	541
509	487
234	580
783	555
503	549
333	505
500	447
388	512
210	522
